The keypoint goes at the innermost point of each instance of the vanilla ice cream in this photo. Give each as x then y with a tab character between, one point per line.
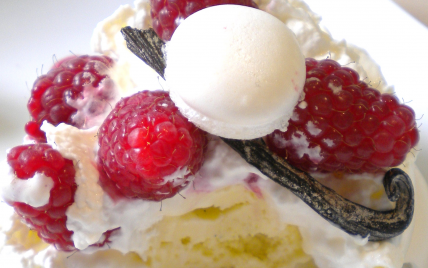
231	215
235	71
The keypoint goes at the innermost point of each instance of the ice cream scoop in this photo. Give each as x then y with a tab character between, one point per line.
234	71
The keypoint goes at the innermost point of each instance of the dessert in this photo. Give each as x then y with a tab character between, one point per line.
234	194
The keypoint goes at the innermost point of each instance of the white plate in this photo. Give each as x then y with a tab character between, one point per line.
33	31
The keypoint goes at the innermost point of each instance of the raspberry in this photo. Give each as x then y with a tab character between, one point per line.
346	126
168	14
74	92
49	221
147	148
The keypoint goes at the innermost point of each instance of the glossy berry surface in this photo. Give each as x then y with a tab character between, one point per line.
345	125
147	148
49	220
74	91
168	14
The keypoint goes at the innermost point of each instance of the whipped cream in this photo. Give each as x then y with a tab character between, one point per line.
94	212
129	72
33	191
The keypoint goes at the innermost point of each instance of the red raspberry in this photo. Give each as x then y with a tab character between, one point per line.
168	14
142	141
74	91
49	220
346	126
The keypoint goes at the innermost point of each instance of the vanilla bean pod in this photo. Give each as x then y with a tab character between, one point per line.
347	215
147	46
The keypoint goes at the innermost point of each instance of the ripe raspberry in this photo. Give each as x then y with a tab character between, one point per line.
346	126
168	14
49	220
147	148
74	91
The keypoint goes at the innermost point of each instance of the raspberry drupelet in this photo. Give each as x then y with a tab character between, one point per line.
147	148
75	90
168	14
345	125
48	220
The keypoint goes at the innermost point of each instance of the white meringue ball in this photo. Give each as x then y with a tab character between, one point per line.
235	71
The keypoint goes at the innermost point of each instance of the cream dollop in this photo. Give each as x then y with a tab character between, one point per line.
34	191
